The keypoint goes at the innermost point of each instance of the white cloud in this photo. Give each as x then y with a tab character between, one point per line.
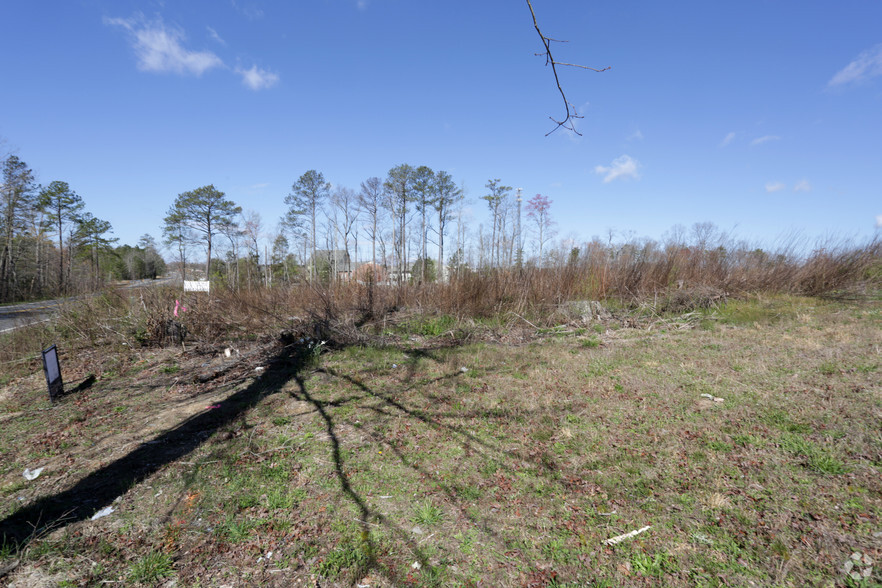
362	4
774	187
213	34
765	139
879	221
159	49
635	136
802	186
867	65
256	78
622	167
727	139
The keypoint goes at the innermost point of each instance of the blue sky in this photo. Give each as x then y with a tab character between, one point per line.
763	117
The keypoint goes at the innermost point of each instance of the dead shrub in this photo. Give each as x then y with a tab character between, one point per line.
671	278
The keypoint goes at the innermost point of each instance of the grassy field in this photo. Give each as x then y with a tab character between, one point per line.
747	438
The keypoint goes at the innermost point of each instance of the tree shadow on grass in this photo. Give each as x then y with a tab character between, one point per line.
367	517
476	450
288	364
103	486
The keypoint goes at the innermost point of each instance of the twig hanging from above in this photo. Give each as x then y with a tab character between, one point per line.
571	113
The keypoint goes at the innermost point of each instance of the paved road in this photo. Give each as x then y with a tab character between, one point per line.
14	316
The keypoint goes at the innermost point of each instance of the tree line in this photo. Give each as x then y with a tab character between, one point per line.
51	246
401	224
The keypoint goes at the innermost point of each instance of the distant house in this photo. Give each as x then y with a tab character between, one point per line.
331	262
368	272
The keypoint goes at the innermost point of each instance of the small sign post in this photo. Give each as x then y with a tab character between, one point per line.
52	369
196	285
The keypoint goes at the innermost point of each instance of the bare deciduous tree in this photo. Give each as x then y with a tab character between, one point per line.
369	201
345	205
447	195
538	208
252	229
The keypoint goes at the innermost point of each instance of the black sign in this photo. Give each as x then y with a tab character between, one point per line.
52	369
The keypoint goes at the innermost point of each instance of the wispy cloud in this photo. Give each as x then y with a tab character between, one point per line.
765	139
865	66
635	136
879	221
159	47
802	186
774	187
727	139
257	78
251	10
213	34
362	4
623	167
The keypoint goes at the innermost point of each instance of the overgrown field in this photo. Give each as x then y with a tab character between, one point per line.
746	436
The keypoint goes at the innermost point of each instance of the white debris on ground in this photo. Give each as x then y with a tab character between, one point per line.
31	475
102	513
620	538
858	567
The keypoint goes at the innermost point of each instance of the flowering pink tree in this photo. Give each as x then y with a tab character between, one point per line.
542	226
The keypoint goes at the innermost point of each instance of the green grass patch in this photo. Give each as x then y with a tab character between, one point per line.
748	312
818	458
151	568
656	565
430	326
347	556
829	368
428	514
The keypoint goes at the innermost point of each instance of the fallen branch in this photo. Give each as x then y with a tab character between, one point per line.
525	320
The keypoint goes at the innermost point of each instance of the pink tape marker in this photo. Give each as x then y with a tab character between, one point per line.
181	306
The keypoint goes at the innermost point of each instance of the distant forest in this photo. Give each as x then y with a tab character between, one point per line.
51	246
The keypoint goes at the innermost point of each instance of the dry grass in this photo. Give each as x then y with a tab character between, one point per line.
353	465
494	430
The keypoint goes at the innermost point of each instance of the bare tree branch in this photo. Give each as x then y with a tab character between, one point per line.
571	113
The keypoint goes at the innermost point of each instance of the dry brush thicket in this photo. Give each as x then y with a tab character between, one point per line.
631	276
